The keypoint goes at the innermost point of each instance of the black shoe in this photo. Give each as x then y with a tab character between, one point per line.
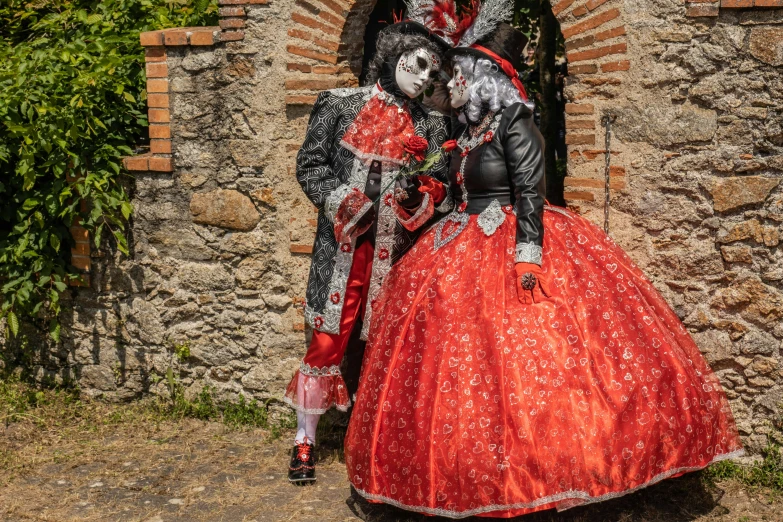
302	467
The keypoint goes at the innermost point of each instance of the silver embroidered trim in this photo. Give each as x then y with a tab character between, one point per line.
342	264
384	238
342	92
559	210
582	496
491	13
311	315
528	253
315	411
315	371
335	199
421	210
462	221
491	218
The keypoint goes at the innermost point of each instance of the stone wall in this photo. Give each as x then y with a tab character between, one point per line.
222	233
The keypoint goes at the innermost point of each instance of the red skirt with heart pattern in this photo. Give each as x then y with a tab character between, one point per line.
472	403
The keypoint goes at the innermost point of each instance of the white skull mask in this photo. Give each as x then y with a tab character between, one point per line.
458	88
415	70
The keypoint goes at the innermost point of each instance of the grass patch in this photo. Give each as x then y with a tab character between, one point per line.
765	474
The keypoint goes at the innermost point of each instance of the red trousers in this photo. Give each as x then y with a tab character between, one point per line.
327	349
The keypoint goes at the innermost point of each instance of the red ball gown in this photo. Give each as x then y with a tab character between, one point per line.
472	403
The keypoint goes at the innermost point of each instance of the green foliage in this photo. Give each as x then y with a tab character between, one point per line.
766	474
72	104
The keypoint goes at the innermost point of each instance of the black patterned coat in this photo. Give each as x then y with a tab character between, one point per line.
324	168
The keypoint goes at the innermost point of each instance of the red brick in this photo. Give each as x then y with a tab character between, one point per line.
561	6
592	154
616	66
616	171
300	100
594	4
310	85
335	20
591	23
176	37
161	165
314	24
232	36
592	54
702	10
136	163
610	33
160	146
157	85
334	6
331	69
155	54
159	115
580	124
587	68
579	196
160	132
307	6
616	184
151	38
769	3
580	11
580	139
301	249
579	42
299	67
594	82
232	11
232	23
301	34
158	100
327	44
81	249
579	108
80	234
314	55
157	70
202	38
736	4
81	262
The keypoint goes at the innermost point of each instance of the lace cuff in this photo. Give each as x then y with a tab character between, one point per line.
413	222
354	205
529	253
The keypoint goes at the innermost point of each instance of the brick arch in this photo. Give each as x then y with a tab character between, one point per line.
326	43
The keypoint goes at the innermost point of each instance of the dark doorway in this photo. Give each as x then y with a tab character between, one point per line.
382	15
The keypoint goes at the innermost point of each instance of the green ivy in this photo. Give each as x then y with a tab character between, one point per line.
72	104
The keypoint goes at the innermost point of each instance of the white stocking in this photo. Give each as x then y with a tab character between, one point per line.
306	426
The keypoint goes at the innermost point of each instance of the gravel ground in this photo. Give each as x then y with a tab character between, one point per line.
111	465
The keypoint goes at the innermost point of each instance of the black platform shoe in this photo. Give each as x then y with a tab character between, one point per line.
302	467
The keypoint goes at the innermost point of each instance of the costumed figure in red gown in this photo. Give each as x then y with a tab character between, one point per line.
518	360
357	141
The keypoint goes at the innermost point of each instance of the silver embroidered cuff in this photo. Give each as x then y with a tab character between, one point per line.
315	371
334	200
529	253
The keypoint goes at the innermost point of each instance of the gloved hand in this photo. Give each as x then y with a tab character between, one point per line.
440	99
531	285
407	194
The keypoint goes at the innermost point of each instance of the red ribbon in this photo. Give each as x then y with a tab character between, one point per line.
507	68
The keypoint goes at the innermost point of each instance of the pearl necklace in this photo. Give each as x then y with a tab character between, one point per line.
467	144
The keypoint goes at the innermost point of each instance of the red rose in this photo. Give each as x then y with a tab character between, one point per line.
449	145
416	146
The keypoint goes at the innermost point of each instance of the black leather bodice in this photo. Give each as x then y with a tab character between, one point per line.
510	169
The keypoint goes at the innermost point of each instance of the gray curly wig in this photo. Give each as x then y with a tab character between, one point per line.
488	87
391	45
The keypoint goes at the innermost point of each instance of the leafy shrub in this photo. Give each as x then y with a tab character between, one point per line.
72	104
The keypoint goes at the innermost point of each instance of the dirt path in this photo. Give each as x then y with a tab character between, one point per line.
145	470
